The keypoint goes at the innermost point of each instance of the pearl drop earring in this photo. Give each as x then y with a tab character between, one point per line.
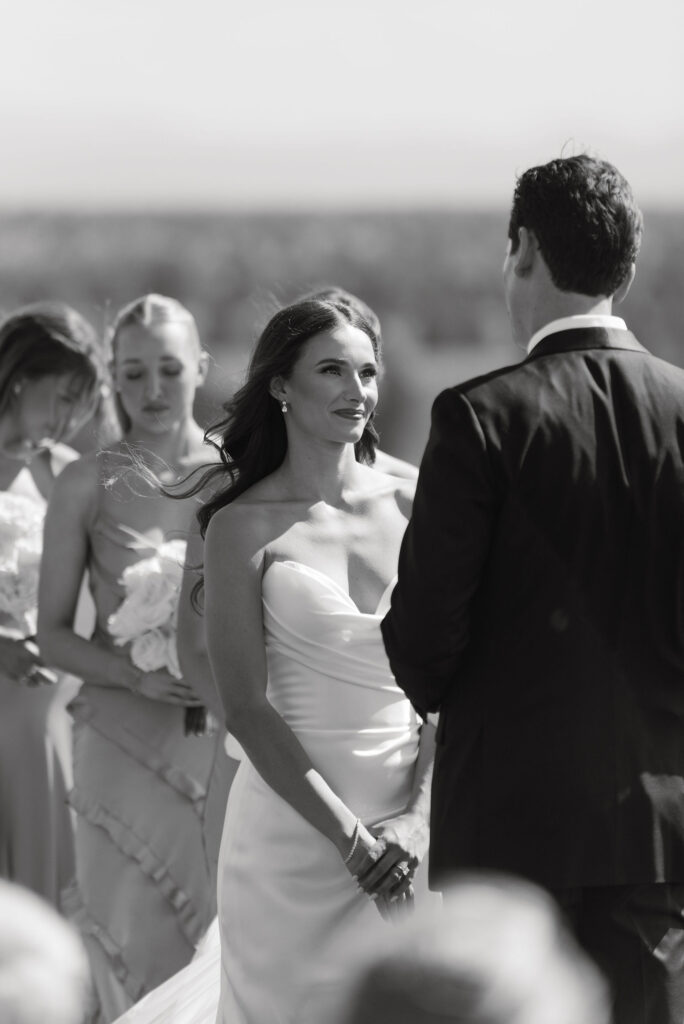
283	406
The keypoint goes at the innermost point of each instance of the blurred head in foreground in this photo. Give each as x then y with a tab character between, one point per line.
494	953
43	967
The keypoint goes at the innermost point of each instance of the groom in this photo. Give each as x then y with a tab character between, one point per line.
540	603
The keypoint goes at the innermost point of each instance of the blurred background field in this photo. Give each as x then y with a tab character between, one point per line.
146	146
433	277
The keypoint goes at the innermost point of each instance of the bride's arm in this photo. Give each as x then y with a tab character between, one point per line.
404	840
63	564
233	568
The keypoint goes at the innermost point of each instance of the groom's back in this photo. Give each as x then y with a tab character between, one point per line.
588	447
574	672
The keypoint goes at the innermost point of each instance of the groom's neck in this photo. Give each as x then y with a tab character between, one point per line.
552	305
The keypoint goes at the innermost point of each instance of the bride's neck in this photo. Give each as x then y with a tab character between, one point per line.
320	472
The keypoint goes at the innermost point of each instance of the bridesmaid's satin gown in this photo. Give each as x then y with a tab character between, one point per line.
36	830
144	889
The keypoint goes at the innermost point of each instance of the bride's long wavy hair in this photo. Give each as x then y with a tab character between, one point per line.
251	440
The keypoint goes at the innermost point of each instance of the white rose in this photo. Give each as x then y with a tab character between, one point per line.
148	651
19	596
153	603
21	531
151	598
149	580
152	586
135	616
123	623
172	558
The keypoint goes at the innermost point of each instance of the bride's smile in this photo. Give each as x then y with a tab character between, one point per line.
333	388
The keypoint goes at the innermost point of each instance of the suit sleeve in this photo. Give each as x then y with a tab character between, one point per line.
442	555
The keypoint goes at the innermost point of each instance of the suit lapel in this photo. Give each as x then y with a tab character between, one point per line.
580	338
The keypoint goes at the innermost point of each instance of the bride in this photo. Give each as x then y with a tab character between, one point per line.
327	817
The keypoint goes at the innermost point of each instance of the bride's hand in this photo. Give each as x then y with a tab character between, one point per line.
393	908
162	686
391	905
389	865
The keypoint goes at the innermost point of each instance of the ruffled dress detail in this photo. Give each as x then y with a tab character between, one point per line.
144	889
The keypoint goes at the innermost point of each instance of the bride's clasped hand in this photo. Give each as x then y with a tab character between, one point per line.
384	868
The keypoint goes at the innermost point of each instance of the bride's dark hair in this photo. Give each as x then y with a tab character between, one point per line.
251	439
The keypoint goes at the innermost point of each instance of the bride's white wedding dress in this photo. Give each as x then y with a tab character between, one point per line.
290	913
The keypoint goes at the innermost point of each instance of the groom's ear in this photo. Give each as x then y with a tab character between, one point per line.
527	252
626	284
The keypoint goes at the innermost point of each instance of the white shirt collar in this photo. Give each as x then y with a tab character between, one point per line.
568	323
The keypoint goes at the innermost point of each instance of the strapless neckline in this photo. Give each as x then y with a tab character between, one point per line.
308	570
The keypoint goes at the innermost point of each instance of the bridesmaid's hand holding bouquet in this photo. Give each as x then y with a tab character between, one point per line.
146	620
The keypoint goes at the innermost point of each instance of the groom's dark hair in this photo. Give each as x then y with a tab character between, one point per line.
584	216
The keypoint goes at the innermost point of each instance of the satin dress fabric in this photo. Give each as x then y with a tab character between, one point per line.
290	913
291	918
143	894
36	828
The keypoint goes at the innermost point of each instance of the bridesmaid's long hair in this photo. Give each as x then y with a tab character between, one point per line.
50	338
252	439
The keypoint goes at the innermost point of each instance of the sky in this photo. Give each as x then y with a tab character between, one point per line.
158	104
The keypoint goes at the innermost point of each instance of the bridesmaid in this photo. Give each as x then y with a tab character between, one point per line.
50	381
143	894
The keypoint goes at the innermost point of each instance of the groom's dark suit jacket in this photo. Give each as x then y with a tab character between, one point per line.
540	610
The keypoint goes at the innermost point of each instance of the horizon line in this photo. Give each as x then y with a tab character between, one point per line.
284	209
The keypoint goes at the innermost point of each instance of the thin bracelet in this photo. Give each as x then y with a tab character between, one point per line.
356	835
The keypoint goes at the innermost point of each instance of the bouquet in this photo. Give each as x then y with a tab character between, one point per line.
21	546
148	615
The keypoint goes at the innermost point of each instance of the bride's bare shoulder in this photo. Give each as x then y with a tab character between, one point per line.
388	487
253	519
405	492
390	464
